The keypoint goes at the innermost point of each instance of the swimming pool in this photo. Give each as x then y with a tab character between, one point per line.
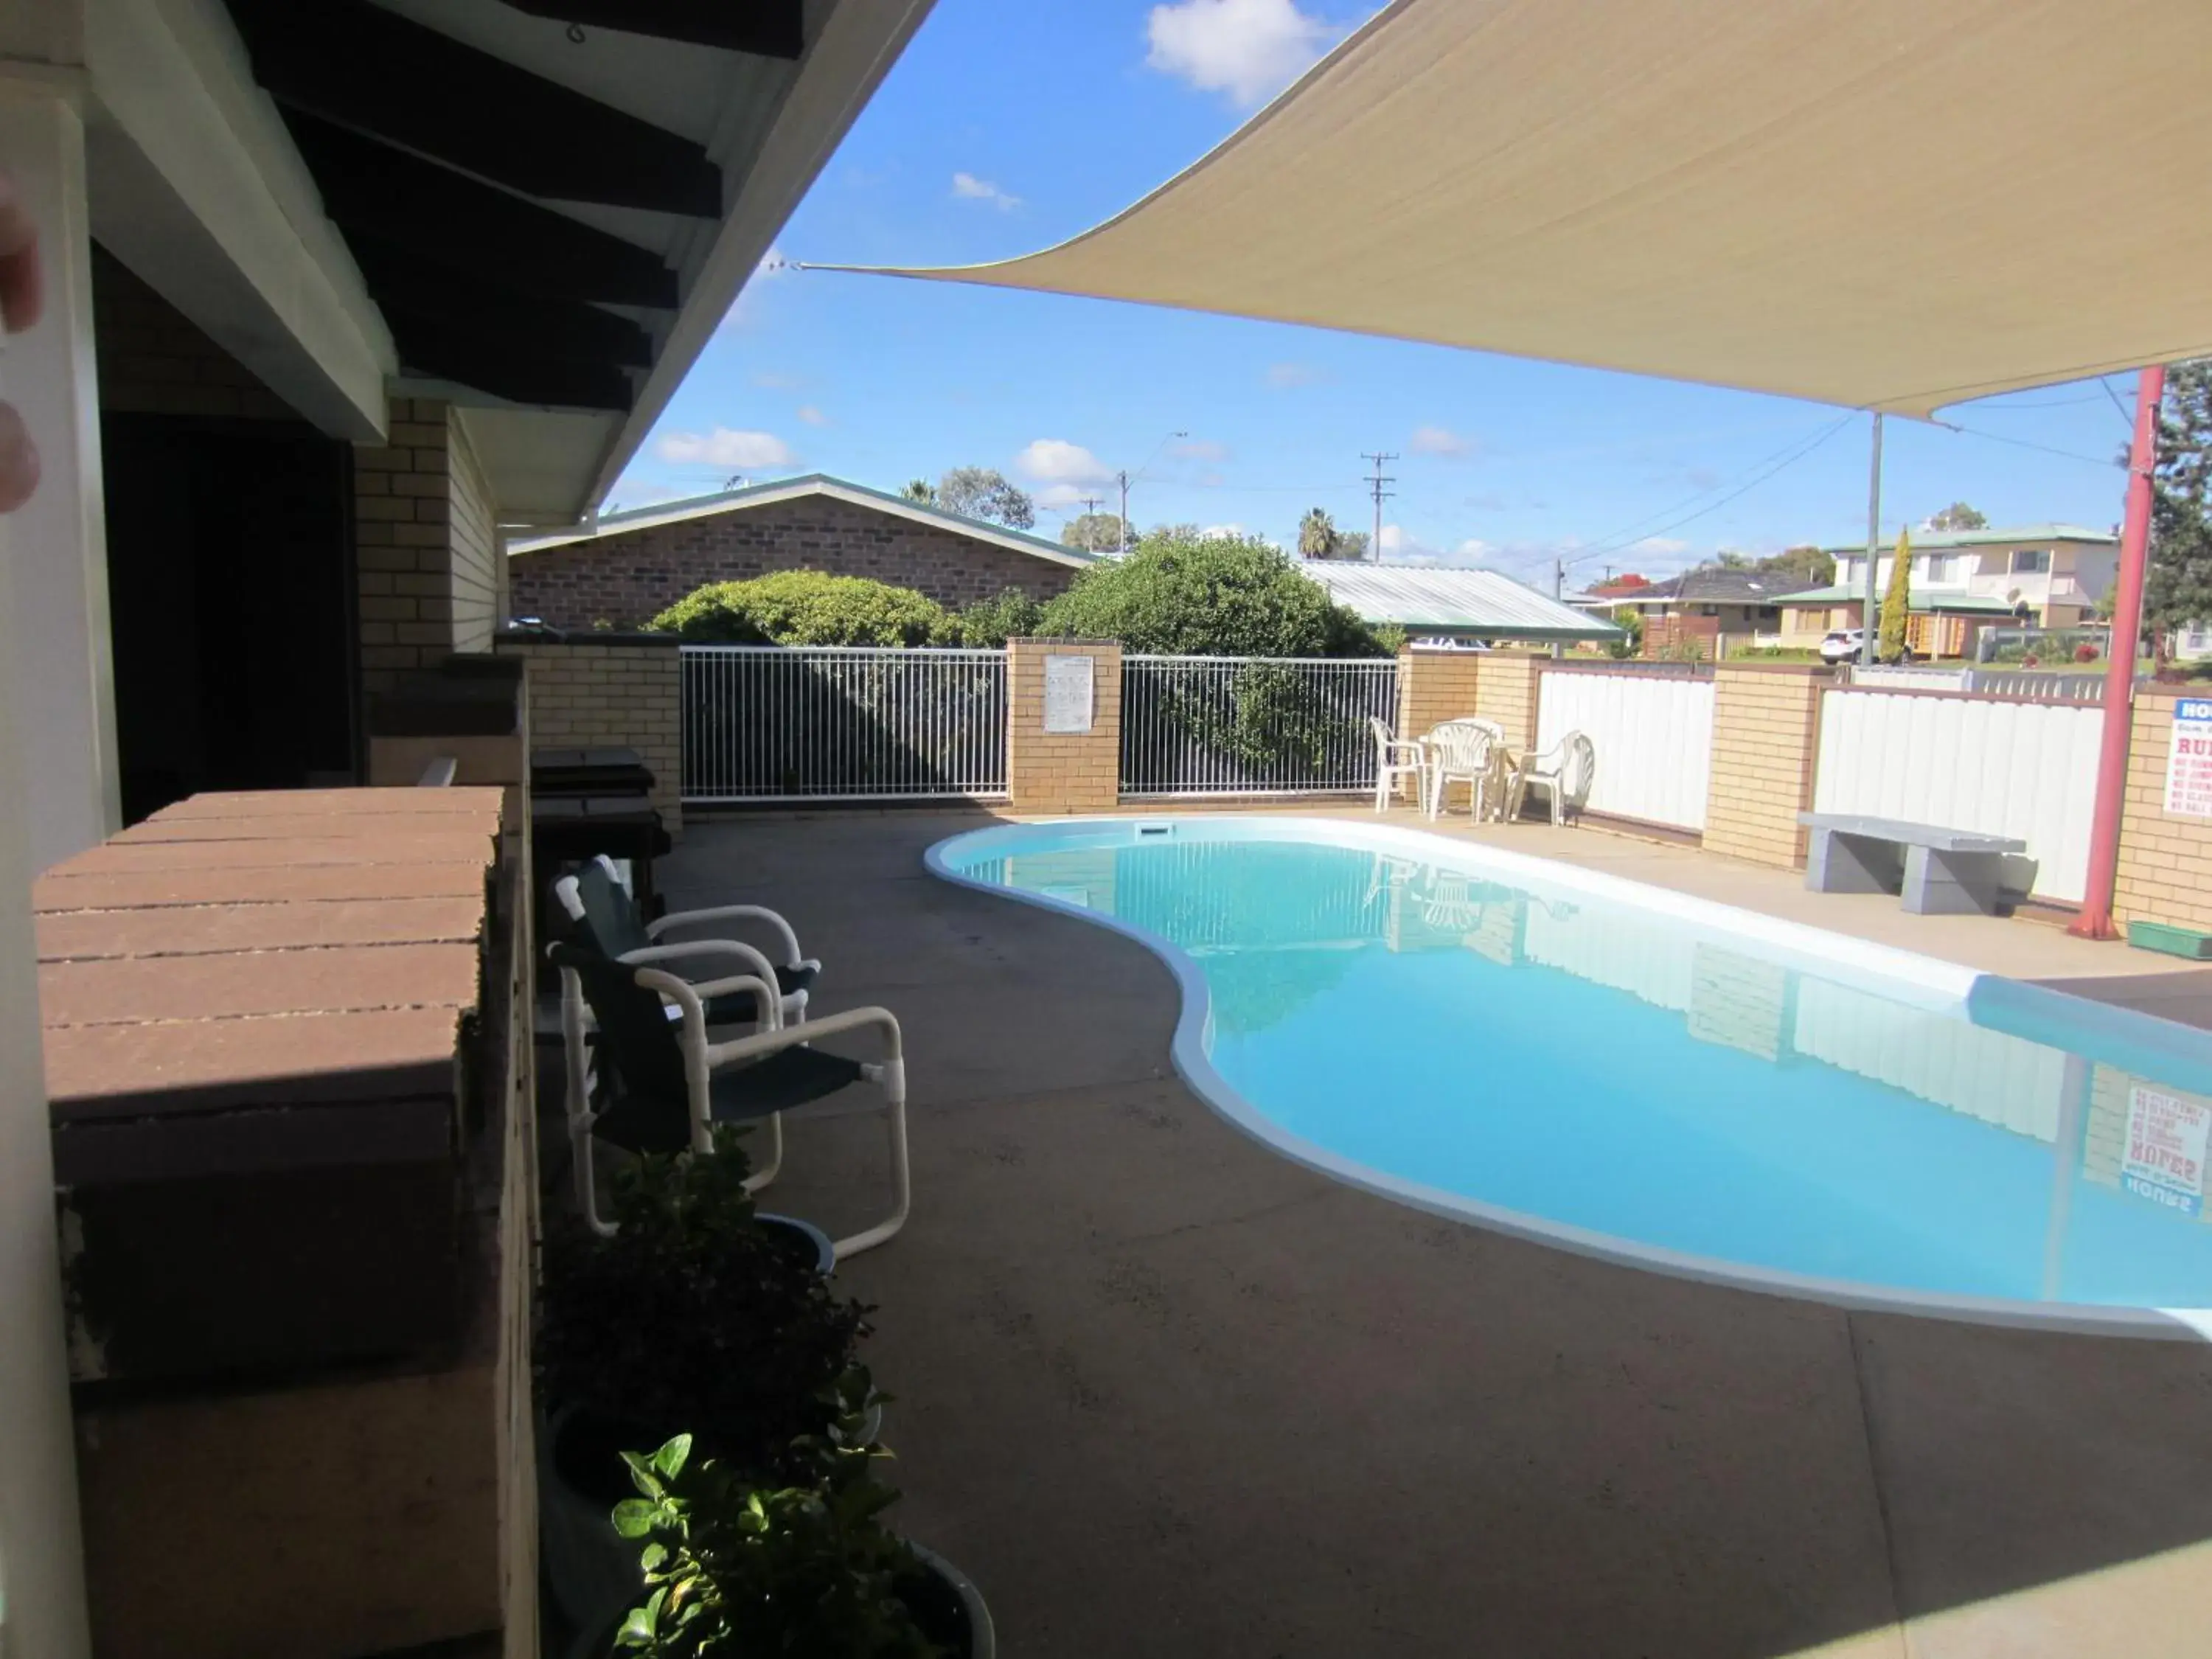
1634	1072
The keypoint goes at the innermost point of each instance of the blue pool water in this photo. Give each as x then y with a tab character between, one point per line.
1634	1072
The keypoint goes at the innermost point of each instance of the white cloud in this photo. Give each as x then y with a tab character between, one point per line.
1473	548
1200	449
774	380
811	416
1054	460
966	187
1062	498
1248	49
738	451
1220	533
1661	546
1438	440
1282	376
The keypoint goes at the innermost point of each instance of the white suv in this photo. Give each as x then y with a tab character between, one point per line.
1842	645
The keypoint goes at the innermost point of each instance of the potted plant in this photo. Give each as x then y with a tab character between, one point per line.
731	1565
692	1318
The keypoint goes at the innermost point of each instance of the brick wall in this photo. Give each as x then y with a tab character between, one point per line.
2165	860
628	578
1433	687
427	544
1506	692
622	692
1062	771
1765	731
151	360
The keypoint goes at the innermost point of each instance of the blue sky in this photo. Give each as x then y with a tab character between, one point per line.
1008	128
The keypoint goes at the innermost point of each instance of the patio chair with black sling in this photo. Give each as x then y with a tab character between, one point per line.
651	1085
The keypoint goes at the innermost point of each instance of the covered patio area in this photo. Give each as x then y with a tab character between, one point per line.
1164	1391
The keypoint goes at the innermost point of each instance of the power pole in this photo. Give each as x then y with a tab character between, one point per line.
1871	638
1121	533
1375	483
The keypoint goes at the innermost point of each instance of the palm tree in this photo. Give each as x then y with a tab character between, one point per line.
1316	534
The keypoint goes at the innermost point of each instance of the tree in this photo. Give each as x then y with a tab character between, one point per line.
1958	516
2178	587
1897	600
1098	532
807	607
1225	595
1807	565
982	492
987	624
1320	538
922	490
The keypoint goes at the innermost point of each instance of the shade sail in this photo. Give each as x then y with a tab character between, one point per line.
1893	204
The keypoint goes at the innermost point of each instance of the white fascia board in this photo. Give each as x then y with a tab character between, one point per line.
197	187
859	40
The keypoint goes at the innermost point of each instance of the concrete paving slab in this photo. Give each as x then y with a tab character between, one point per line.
1164	1393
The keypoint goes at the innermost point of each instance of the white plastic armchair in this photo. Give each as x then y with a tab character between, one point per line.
1565	772
1463	752
1395	758
617	929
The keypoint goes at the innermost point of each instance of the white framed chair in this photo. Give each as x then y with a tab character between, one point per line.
1396	758
651	1085
1565	772
1464	750
605	915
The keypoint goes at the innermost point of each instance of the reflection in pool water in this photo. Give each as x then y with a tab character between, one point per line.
1620	1071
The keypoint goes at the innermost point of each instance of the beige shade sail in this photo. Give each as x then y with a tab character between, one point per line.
1892	204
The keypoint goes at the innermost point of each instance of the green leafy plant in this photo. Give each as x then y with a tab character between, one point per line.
732	1566
988	623
1179	593
692	1316
808	607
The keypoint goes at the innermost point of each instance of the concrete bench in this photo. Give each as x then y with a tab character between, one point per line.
1938	871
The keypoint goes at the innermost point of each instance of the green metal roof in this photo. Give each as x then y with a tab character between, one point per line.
1997	535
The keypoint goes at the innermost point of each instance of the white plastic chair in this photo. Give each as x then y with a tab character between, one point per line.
1463	752
1565	772
1396	758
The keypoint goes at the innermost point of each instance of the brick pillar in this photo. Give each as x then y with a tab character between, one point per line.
1507	694
2166	857
1433	687
602	690
1766	719
1063	771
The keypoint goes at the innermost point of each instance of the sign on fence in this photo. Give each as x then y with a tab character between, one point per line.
2165	1157
2189	759
1067	685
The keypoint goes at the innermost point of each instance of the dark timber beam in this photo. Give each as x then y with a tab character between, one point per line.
488	308
503	364
450	219
363	67
767	28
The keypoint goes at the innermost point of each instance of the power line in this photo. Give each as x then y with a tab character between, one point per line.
2023	443
1375	547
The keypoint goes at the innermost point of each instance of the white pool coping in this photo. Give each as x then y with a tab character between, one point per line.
1936	984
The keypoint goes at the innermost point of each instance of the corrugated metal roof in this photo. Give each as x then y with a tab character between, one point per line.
1468	601
1918	599
1996	536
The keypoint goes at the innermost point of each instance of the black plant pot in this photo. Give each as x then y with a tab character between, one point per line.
590	1568
947	1606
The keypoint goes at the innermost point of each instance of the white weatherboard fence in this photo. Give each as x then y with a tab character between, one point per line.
1247	725
785	723
1653	735
1966	763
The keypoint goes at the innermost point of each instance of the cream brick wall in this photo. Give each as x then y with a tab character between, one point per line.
1506	692
1062	771
2166	861
1433	687
429	554
1766	732
619	693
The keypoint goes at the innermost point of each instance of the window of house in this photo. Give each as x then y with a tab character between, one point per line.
2030	561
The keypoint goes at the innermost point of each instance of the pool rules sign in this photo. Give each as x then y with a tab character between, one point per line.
2189	759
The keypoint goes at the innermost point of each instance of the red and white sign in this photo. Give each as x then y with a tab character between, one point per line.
2189	759
2165	1155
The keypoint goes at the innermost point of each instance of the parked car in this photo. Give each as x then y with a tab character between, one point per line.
1842	645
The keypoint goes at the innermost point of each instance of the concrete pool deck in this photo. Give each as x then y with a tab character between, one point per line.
1164	1393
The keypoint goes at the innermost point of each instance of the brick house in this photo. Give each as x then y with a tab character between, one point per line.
632	565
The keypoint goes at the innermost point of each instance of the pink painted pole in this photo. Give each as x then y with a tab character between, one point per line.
2095	920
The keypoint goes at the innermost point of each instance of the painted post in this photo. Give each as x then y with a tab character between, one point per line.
2095	920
